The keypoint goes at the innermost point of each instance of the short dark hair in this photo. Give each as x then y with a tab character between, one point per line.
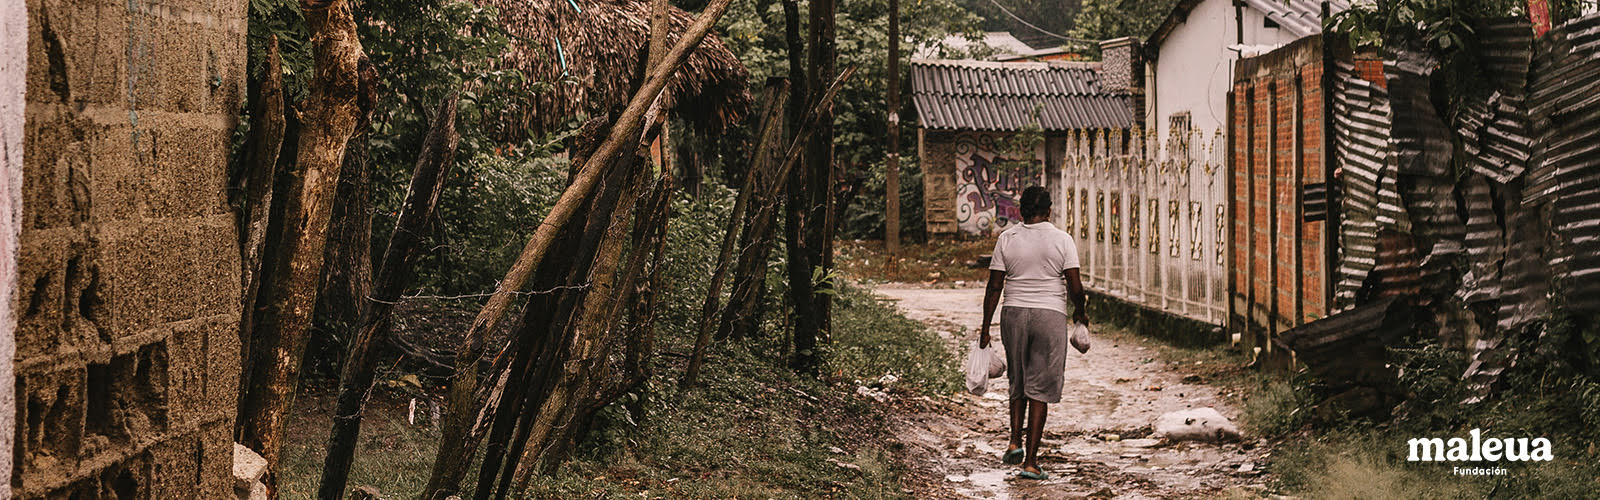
1035	202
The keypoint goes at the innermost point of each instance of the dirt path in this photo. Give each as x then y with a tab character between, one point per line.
1117	388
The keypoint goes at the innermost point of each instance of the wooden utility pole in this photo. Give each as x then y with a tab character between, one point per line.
891	165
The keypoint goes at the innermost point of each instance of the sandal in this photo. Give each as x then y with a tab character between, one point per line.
1013	457
1036	476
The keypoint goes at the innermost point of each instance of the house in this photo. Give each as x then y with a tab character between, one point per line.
1189	58
1001	46
989	129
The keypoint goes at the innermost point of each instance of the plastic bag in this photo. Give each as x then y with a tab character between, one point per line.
983	363
1078	336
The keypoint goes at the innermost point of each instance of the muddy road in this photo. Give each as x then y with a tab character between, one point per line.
1096	441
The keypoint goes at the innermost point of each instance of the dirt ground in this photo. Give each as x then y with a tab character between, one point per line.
1095	442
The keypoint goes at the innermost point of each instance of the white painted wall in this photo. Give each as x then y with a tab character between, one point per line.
1192	70
13	85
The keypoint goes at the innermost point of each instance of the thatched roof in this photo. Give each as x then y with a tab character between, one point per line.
604	48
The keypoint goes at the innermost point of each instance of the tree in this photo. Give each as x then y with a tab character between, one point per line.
1107	19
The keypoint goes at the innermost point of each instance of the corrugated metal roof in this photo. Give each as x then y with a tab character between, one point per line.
983	95
1301	17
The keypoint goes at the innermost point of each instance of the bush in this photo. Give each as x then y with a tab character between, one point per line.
487	212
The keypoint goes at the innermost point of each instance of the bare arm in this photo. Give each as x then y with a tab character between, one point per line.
991	299
1080	301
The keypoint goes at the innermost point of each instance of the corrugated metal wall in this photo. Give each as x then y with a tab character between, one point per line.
1485	219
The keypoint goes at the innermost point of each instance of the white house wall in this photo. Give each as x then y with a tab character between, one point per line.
1193	64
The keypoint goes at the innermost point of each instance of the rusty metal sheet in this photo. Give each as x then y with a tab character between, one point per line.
1485	242
1361	152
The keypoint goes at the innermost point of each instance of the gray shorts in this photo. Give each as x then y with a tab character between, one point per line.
1036	352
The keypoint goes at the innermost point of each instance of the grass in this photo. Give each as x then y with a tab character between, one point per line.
874	340
391	455
1338	457
753	429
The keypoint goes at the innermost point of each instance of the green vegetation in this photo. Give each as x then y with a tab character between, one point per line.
1339	457
754	31
753	430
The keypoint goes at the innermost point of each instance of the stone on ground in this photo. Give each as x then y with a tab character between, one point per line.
1199	424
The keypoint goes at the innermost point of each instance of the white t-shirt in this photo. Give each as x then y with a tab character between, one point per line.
1035	258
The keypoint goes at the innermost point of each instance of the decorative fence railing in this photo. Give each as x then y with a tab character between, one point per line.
1149	218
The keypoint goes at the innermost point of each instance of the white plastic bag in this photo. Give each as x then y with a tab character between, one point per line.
983	363
1078	336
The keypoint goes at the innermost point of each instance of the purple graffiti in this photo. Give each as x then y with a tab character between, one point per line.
998	188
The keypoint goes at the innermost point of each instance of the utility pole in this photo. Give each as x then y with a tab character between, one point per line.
891	182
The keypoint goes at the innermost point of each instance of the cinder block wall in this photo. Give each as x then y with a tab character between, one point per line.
128	292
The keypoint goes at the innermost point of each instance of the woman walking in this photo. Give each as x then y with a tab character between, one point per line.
1036	265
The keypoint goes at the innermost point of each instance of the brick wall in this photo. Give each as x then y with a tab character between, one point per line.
127	356
1280	263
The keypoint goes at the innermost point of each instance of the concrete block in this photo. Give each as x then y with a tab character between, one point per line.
216	471
194	164
248	467
51	423
126	400
175	466
55	169
41	287
163	271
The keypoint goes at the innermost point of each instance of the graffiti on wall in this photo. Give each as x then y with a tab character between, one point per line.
990	178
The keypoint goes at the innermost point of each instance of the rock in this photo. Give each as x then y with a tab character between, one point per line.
956	478
874	394
1141	443
1199	424
257	491
1111	437
1192	379
844	465
365	492
248	467
1247	467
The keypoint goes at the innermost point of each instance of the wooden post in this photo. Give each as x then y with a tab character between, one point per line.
332	112
891	181
455	451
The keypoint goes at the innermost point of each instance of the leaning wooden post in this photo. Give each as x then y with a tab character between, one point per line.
770	125
394	275
454	454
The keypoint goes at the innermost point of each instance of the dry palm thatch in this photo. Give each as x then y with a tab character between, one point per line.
604	48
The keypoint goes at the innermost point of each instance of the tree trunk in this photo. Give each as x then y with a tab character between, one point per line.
394	275
822	176
759	165
454	452
254	183
797	196
333	113
740	315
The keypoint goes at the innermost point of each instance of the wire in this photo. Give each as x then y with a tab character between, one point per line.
1041	30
